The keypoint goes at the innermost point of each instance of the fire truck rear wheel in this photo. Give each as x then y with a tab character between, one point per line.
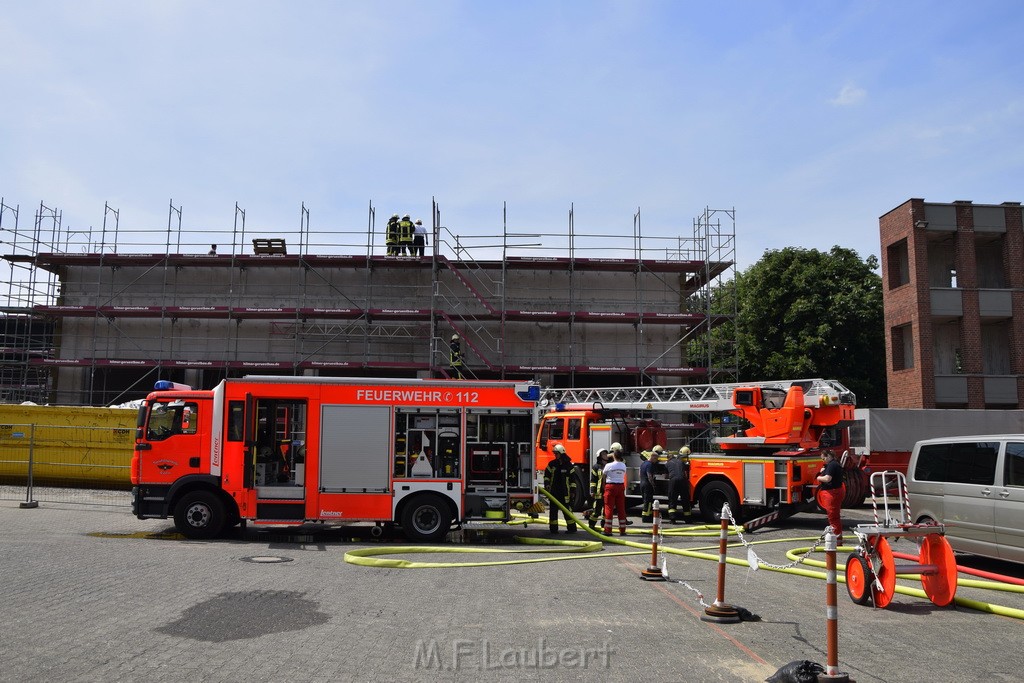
426	518
200	514
712	496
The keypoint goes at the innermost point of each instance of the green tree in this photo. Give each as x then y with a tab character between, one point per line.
804	313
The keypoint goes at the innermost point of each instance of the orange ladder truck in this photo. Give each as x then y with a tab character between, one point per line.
420	454
764	470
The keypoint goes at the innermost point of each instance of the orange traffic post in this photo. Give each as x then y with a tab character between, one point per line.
831	614
653	571
719	612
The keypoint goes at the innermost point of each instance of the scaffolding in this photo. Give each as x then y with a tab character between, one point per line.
579	308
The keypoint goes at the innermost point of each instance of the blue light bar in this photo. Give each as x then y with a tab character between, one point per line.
165	385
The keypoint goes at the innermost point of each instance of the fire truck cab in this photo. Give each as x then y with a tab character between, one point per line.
422	454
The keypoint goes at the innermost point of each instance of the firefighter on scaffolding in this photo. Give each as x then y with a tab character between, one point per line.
455	358
391	235
406	231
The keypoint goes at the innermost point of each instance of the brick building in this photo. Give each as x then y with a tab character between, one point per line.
953	293
94	318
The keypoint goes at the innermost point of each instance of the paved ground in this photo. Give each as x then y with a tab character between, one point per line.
89	598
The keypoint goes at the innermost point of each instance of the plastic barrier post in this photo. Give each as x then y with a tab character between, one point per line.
653	572
29	501
831	614
719	612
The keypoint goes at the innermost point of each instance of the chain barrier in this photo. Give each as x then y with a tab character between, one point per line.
756	562
700	596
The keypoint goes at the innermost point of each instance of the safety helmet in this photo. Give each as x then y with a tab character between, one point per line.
684	451
419	222
455	337
405	216
616	447
394	215
559	448
602	451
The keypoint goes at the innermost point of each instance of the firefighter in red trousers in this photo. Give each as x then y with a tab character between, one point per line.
831	492
615	491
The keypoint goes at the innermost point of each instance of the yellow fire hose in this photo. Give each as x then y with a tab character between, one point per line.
369	557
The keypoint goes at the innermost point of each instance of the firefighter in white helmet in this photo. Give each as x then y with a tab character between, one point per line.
419	238
560	482
615	490
647	472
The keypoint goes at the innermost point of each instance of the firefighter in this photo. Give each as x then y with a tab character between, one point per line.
647	470
455	357
597	488
391	235
419	238
560	481
831	491
615	491
406	230
678	467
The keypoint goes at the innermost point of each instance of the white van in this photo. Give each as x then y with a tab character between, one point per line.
974	485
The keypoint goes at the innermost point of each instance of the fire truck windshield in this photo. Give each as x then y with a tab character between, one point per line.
169	418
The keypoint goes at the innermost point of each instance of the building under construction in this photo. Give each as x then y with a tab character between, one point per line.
94	317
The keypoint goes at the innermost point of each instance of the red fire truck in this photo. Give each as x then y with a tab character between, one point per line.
423	454
764	471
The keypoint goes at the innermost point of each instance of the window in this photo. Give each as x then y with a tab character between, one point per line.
989	259
170	418
1014	473
554	428
902	347
959	463
574	428
236	420
898	264
995	349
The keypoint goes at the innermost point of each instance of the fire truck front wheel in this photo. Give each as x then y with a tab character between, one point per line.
426	519
200	514
713	496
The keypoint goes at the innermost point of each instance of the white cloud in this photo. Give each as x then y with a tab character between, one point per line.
848	96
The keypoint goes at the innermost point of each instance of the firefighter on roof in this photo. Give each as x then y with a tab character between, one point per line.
560	482
391	235
406	230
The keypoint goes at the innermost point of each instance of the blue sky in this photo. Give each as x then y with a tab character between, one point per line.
811	119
